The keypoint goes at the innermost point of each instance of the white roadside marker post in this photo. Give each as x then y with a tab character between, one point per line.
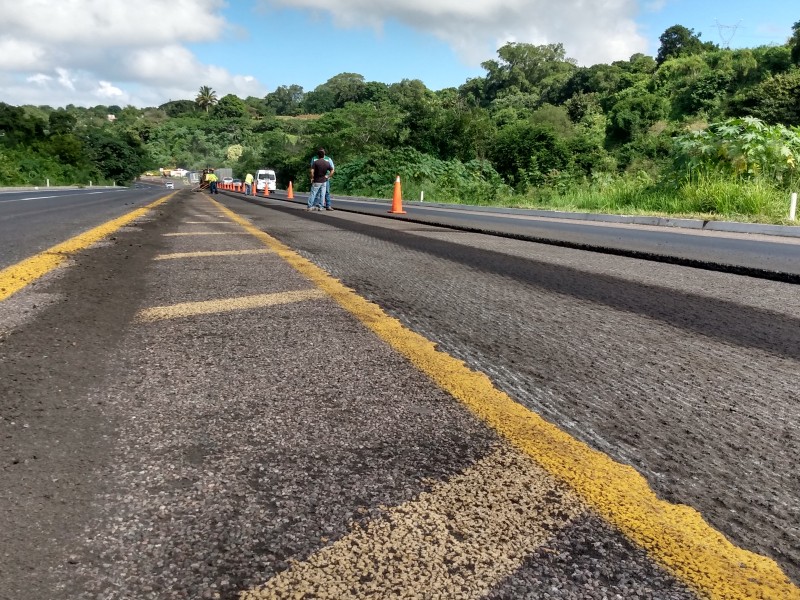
793	207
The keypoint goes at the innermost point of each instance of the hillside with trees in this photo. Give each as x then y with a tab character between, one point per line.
696	129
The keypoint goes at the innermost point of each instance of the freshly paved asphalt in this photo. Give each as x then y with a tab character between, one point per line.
187	419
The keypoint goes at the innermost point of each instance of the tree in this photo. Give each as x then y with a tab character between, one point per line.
633	114
230	107
206	98
61	122
794	43
529	69
179	108
525	153
285	100
680	41
117	159
17	127
775	100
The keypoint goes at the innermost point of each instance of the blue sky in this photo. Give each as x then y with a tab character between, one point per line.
90	52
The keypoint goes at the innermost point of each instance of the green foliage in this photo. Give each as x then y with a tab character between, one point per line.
536	128
117	159
474	182
633	114
179	108
794	43
540	71
775	100
745	148
230	107
524	153
17	127
206	98
680	41
285	100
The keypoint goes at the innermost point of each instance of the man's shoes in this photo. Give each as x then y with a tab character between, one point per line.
328	208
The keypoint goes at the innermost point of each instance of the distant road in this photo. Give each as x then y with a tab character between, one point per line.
32	221
749	253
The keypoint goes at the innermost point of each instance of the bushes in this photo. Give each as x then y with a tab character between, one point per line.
475	182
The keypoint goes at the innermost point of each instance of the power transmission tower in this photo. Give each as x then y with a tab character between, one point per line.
726	32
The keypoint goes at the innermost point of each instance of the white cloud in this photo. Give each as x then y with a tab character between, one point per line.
591	31
90	52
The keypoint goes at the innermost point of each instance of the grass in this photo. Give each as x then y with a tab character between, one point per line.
707	199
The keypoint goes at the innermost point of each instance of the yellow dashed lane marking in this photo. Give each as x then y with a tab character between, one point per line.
188	309
16	277
178	255
457	541
676	536
190	234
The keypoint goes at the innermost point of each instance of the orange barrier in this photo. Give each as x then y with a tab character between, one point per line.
266	189
397	200
290	194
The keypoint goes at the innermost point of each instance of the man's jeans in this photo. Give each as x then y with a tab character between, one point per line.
328	194
317	195
213	187
248	189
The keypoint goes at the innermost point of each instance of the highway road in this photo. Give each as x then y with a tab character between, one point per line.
753	254
238	396
32	221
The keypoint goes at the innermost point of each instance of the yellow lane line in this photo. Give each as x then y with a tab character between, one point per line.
188	309
676	536
17	276
457	541
178	255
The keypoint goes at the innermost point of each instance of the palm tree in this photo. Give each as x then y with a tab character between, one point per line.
206	98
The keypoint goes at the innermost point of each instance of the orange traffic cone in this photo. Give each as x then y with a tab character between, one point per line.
397	200
266	189
290	195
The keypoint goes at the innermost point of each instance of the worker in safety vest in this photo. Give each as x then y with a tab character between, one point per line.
248	184
211	178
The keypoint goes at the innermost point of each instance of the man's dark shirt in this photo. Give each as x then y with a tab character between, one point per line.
321	168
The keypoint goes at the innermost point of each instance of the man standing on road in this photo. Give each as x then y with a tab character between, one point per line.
328	183
248	184
211	178
321	171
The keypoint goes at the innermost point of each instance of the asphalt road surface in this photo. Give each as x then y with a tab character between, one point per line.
32	221
184	415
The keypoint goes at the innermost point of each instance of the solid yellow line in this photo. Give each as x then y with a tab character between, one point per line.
178	255
17	276
676	536
207	307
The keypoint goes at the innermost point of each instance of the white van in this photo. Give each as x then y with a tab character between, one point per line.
265	177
